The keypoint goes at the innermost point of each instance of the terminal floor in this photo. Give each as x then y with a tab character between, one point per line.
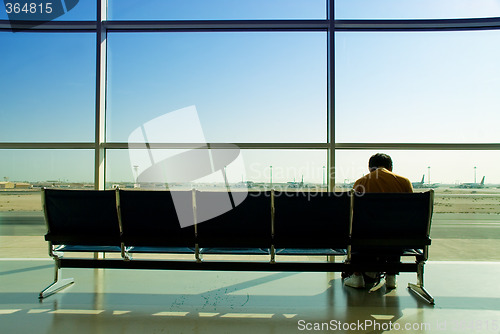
146	301
462	275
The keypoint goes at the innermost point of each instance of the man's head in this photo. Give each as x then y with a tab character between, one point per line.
380	160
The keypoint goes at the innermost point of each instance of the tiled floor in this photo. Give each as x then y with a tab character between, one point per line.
143	301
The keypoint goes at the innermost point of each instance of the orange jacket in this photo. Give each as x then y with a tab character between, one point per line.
382	180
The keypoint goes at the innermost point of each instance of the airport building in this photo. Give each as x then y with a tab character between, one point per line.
7	185
262	96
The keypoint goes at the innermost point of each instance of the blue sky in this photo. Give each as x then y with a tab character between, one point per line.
216	9
47	87
247	87
416	9
425	86
416	87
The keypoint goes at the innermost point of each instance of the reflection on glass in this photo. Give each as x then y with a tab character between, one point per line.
252	169
216	9
246	87
417	87
47	91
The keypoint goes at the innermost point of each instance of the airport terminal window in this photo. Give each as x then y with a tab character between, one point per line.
216	9
246	86
293	167
56	165
47	91
465	182
25	172
415	9
123	167
266	90
256	169
466	211
417	87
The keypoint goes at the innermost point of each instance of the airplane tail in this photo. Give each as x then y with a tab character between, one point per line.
423	175
482	181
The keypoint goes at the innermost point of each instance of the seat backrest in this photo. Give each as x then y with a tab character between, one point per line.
81	217
311	220
392	219
243	225
151	218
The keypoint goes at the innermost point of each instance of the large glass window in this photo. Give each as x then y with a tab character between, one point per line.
265	87
253	169
466	194
415	9
23	173
216	9
47	91
245	86
417	87
38	168
441	168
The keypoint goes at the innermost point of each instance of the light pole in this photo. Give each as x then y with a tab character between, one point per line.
475	174
429	174
323	176
271	176
136	168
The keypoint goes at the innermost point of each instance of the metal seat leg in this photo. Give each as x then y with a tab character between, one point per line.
418	288
57	285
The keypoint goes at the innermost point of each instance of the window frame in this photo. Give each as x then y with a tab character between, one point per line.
101	26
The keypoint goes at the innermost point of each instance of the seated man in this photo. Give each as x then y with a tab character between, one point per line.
380	179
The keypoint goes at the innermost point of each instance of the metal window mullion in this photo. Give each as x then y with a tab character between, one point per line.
250	146
215	25
47	146
489	23
419	24
50	26
417	146
100	105
243	146
331	95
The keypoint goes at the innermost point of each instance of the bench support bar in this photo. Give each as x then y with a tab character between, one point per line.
232	266
60	284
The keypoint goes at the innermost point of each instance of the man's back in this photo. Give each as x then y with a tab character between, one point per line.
382	180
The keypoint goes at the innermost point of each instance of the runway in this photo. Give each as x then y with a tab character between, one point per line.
465	226
22	224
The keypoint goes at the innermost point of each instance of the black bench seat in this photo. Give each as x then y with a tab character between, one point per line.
311	223
149	222
270	224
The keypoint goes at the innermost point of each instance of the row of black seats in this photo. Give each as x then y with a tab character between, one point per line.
268	222
235	223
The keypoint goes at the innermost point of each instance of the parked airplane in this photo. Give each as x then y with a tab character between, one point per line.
296	184
472	185
346	184
419	184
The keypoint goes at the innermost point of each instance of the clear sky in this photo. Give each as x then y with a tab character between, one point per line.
416	9
414	87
